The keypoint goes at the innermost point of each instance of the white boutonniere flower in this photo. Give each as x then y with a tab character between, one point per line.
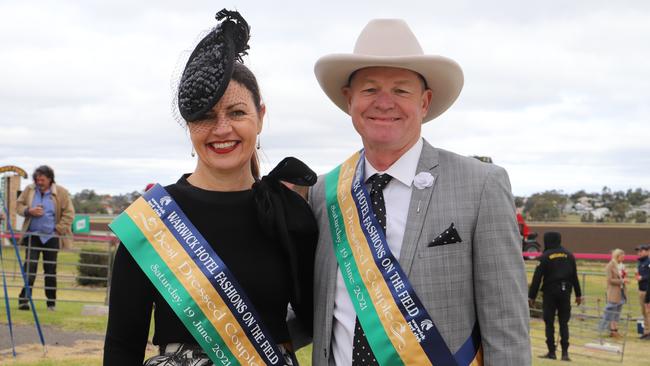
423	180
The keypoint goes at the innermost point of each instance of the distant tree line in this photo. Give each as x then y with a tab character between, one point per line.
88	201
621	206
632	205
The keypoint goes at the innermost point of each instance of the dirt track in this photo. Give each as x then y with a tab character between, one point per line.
596	238
60	344
579	238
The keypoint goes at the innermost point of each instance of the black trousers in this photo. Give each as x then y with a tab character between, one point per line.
50	250
557	299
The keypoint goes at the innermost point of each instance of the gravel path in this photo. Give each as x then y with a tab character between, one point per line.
27	334
60	344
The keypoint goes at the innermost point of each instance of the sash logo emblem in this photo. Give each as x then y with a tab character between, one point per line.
165	200
426	324
158	205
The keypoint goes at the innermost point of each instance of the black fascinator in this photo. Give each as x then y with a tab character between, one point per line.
209	68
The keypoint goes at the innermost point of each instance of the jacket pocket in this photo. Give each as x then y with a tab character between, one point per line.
442	250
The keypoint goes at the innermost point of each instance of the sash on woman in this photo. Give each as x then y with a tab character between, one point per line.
194	281
396	323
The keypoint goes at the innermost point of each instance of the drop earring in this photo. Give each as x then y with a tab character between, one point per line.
193	154
258	145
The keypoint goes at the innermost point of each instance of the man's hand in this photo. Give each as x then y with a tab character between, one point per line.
579	300
531	302
36	211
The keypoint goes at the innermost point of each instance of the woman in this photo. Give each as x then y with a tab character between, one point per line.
616	295
261	232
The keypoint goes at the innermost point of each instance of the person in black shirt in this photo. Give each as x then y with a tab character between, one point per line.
647	306
643	273
557	274
264	232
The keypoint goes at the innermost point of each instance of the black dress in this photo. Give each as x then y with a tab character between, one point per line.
266	236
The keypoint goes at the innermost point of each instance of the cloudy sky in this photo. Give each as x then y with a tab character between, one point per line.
557	92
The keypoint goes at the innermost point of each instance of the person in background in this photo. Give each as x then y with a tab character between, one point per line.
647	301
48	213
558	273
643	273
616	293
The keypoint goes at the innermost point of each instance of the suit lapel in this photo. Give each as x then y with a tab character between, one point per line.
331	268
332	271
420	199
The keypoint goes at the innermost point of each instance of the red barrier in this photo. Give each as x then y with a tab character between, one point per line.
590	256
527	255
8	236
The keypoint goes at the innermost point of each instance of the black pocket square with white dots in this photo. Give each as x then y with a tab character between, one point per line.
449	236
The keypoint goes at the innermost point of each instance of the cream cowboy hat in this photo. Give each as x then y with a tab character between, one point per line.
390	42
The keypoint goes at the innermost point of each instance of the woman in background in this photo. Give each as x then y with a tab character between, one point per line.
616	293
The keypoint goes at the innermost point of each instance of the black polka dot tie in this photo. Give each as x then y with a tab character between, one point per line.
361	353
377	184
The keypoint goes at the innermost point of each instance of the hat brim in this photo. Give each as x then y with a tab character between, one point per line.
443	76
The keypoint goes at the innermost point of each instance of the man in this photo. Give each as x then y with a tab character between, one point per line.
557	270
48	213
643	273
458	293
646	301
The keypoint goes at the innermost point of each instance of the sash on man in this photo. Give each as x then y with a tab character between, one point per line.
398	327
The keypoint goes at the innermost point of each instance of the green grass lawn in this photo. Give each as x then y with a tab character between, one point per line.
585	318
71	295
68	316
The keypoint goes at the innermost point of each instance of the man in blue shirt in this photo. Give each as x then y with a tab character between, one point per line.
48	213
643	274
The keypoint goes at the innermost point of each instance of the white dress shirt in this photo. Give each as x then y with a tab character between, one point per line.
397	196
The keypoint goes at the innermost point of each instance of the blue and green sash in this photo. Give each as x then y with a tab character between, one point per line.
194	281
396	323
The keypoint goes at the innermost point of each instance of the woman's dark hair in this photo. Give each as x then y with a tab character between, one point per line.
244	76
43	170
215	61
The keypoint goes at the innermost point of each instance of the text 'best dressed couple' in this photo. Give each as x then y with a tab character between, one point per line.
404	254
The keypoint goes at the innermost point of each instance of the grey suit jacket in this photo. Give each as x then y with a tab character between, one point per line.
479	279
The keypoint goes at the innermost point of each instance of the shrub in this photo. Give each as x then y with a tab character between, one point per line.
587	217
640	217
93	267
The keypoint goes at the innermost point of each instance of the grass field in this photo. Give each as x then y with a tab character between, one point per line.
583	325
72	296
68	316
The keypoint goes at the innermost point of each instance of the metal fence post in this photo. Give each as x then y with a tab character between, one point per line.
111	259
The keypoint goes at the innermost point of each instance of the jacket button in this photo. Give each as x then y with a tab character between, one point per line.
325	352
